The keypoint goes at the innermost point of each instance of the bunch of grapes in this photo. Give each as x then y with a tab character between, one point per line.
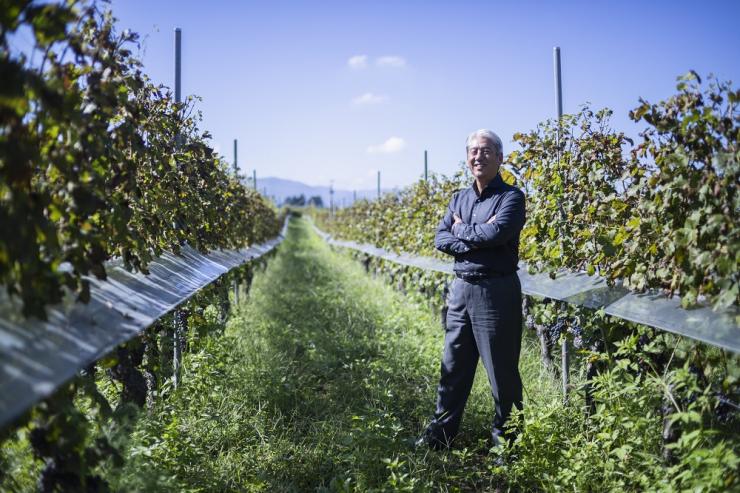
554	331
643	341
577	332
726	410
687	400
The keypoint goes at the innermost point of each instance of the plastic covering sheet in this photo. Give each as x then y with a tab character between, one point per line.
718	328
37	356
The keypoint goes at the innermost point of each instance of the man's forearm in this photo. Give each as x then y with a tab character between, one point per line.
497	230
447	243
475	235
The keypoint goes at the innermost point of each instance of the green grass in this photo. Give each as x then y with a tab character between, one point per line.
322	381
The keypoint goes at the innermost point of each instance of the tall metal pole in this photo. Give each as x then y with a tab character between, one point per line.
179	316
178	65
559	98
236	165
426	172
331	198
254	178
378	184
236	175
558	80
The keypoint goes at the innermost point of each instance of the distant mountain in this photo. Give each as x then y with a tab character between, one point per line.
278	189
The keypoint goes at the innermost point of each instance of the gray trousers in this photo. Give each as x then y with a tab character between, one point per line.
484	319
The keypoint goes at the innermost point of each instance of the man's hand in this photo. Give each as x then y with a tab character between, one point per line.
457	221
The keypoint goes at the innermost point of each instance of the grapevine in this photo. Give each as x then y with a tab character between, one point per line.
98	162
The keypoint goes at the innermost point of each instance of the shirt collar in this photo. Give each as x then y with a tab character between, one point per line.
497	182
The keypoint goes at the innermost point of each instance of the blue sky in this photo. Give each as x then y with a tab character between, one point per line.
334	91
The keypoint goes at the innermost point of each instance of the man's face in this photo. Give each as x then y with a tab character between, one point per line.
483	159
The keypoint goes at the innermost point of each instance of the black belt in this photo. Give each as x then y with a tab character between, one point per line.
480	276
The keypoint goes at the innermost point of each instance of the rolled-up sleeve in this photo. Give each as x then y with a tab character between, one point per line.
444	240
510	218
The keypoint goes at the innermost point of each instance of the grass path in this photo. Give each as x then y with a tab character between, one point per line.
322	379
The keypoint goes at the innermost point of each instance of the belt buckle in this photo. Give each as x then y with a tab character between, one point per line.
469	277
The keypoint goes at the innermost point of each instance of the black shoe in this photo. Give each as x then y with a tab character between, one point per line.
499	461
500	438
428	442
431	439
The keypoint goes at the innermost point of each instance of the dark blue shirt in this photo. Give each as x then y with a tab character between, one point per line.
480	248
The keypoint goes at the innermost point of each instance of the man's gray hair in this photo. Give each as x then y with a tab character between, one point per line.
484	132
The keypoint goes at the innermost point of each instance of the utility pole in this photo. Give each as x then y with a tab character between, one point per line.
254	178
559	100
378	183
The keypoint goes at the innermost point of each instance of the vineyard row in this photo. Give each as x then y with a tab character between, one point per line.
717	328
45	354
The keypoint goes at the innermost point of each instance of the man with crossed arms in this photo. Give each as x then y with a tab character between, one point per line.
481	230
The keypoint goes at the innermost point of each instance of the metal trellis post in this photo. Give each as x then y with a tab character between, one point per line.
178	65
559	98
236	165
236	175
177	318
426	169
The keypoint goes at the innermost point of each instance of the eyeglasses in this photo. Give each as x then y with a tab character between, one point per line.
486	151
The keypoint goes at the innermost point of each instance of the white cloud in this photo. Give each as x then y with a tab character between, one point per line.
390	61
393	144
357	62
368	99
